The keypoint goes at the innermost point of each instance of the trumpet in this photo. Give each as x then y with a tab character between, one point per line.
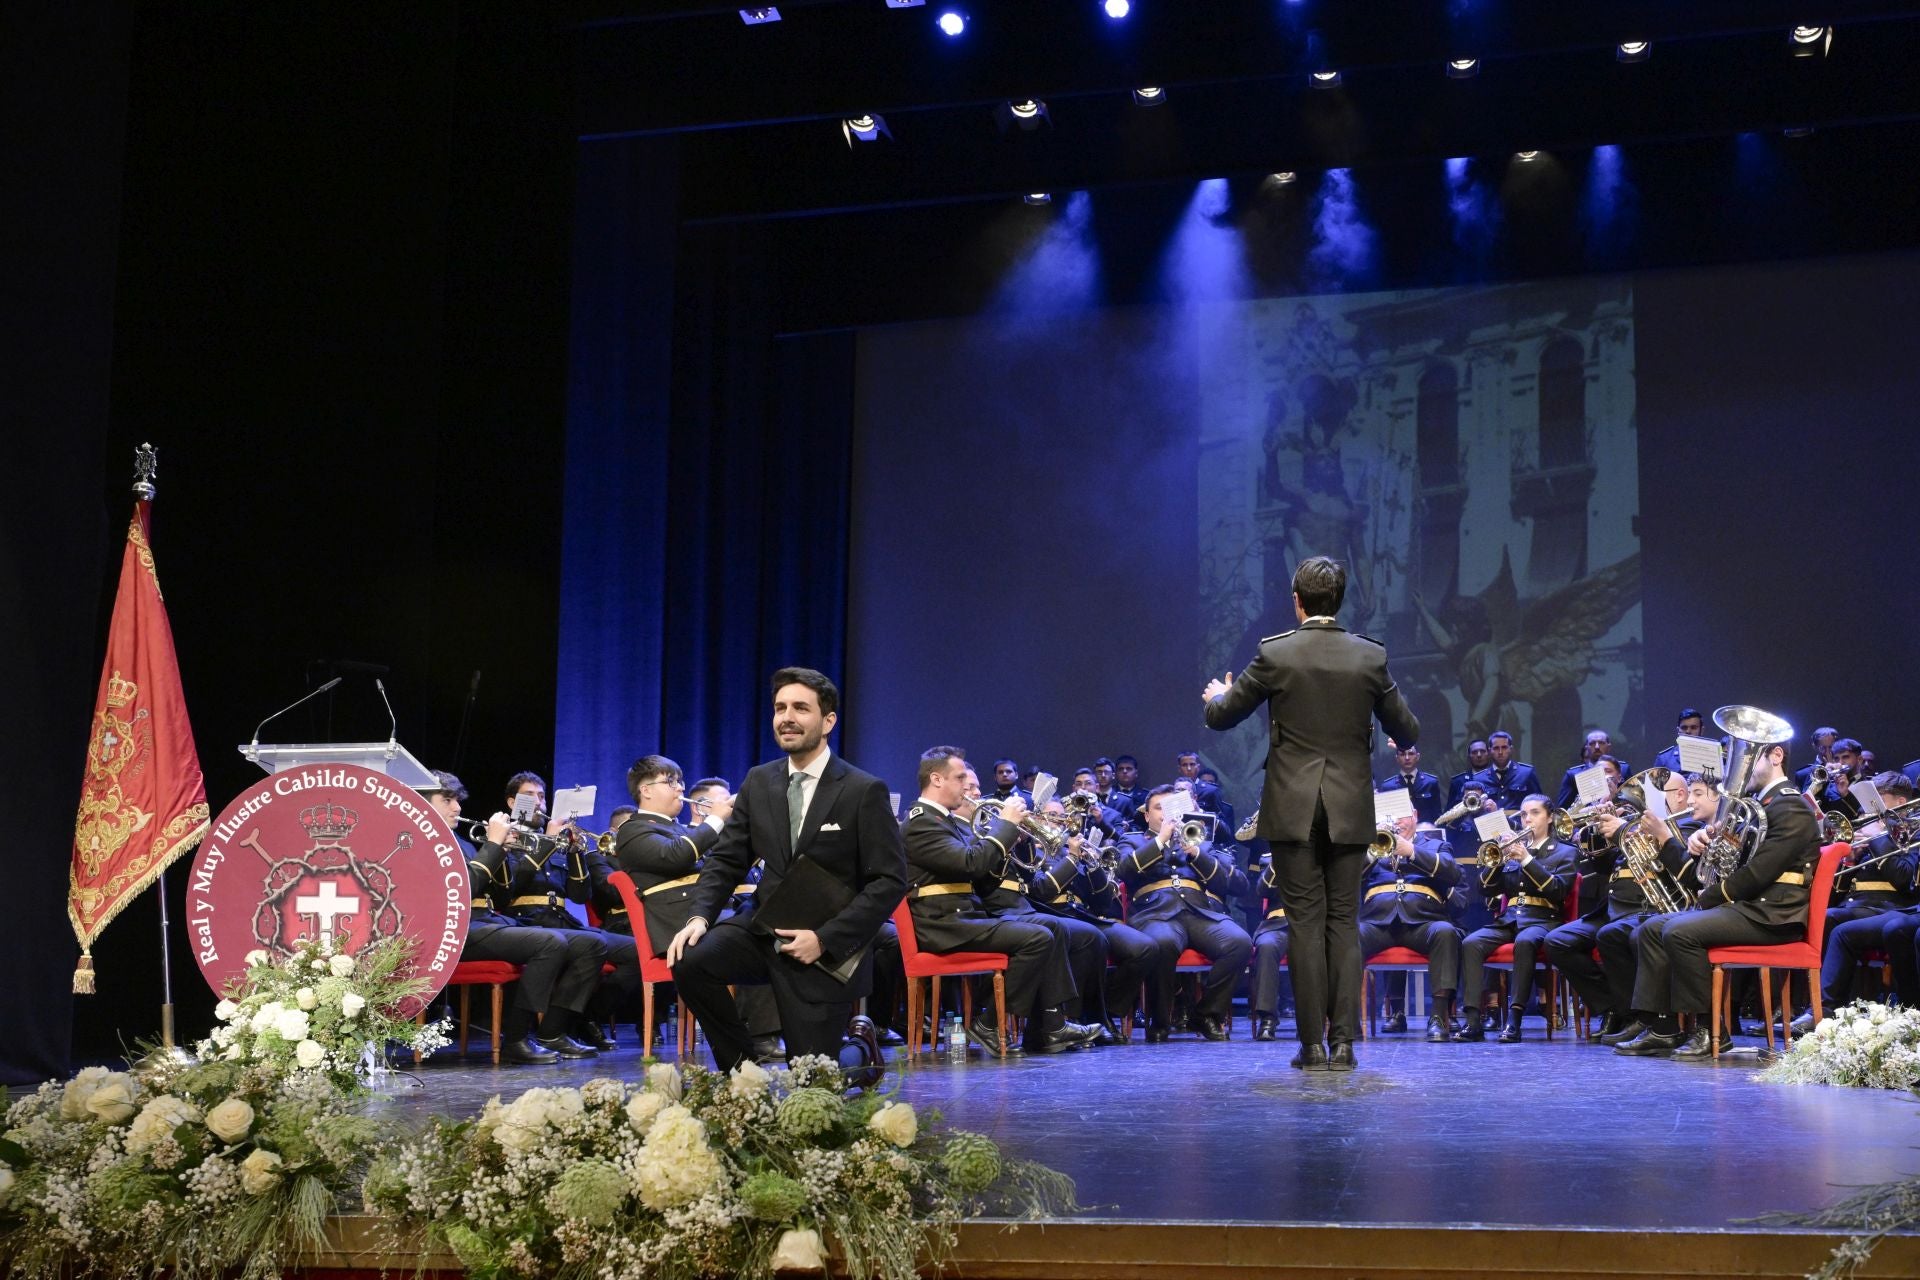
1385	838
1494	852
1191	835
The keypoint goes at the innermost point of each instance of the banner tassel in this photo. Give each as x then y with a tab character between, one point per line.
83	975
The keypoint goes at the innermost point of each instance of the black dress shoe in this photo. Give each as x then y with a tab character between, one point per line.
566	1046
1087	1033
1510	1033
1158	1033
1397	1023
1109	1035
590	1035
1473	1030
862	1045
984	1035
1341	1058
1696	1045
525	1052
1650	1044
1212	1028
1632	1029
1438	1030
1609	1025
1312	1057
766	1049
1264	1028
1061	1041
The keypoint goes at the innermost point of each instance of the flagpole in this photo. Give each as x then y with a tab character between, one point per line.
146	465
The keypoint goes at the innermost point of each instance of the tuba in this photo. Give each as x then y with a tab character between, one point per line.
1740	824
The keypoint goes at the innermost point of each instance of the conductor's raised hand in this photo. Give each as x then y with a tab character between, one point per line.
690	932
1217	687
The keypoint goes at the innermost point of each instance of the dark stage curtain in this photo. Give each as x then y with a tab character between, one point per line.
715	545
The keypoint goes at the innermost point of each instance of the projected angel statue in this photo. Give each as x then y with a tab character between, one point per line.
1510	651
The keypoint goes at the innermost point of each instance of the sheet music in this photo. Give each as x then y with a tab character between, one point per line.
1493	826
1868	795
1590	784
574	802
1176	806
1657	802
1044	785
1391	806
1700	755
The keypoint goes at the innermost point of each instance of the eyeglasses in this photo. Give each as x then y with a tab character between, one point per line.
677	784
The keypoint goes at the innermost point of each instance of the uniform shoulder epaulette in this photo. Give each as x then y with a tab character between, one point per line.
1369	639
1282	636
916	811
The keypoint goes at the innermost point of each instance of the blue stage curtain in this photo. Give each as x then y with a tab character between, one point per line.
706	528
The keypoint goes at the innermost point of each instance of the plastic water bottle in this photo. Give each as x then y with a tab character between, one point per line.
956	1042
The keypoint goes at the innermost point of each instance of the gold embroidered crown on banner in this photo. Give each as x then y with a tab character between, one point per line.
328	821
120	691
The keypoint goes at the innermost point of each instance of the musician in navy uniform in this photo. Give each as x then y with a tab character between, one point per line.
661	854
1404	904
1823	740
1535	875
1180	893
1068	886
1689	724
1126	781
946	862
1507	781
1006	781
1763	901
1322	688
1875	893
1467	799
1598	747
1104	773
1270	939
1613	902
1425	786
560	968
1478	758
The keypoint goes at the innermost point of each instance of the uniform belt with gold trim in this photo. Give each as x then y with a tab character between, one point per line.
681	883
1399	887
1011	886
1175	882
1791	877
536	900
1278	913
614	911
1875	886
482	904
741	890
1529	900
940	890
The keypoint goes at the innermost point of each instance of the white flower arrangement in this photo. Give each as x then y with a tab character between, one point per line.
1866	1045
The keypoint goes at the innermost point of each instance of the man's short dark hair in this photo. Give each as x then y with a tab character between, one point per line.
521	779
706	783
1826	731
613	815
823	688
1183	755
1086	769
446	784
1007	760
1894	783
1499	733
1164	789
1321	584
1207	775
1102	760
1689	713
650	769
935	759
1615	762
1847	744
1120	760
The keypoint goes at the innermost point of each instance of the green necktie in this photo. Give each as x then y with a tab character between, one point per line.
796	803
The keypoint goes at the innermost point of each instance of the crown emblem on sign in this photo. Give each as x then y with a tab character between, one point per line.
120	690
328	821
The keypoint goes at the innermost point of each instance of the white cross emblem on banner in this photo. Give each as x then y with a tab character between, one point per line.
324	907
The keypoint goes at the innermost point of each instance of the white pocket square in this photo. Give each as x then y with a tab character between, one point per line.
830	826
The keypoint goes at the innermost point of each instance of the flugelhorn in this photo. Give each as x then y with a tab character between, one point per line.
1385	838
1042	830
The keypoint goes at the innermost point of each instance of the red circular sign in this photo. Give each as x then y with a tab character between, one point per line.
334	849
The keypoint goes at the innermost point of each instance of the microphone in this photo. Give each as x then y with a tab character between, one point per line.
253	748
393	721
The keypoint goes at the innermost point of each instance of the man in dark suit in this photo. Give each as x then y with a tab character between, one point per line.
1424	786
1506	780
1323	688
1765	901
811	805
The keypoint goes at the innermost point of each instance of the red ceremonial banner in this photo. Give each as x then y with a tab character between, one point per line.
144	800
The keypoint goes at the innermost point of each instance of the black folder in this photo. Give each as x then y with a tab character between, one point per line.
807	897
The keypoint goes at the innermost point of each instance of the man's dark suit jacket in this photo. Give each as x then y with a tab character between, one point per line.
1773	886
850	830
1323	688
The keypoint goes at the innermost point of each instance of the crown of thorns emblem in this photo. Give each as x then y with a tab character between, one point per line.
349	888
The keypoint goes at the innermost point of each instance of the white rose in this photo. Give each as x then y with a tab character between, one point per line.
158	1119
6	1182
305	998
73	1099
254	957
259	1172
235	1052
112	1101
292	1025
225	1010
341	965
750	1079
266	1016
230	1120
318	965
351	1004
799	1251
896	1123
309	1053
643	1107
664	1077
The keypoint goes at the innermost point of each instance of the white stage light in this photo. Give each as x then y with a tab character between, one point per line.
1463	68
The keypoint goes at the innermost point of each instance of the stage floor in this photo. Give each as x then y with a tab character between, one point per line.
1538	1134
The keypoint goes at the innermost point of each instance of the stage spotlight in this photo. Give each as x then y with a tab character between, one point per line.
1117	9
1151	96
1633	50
1463	68
1038	197
864	129
1284	178
1799	131
1526	157
1027	113
1811	42
754	17
953	22
1324	79
905	4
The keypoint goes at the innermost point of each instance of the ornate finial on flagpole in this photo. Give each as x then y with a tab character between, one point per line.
146	465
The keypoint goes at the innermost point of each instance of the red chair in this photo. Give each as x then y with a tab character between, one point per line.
1392	960
954	964
468	974
1804	954
652	971
1502	958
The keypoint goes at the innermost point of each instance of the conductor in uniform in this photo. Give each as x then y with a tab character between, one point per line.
1323	687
